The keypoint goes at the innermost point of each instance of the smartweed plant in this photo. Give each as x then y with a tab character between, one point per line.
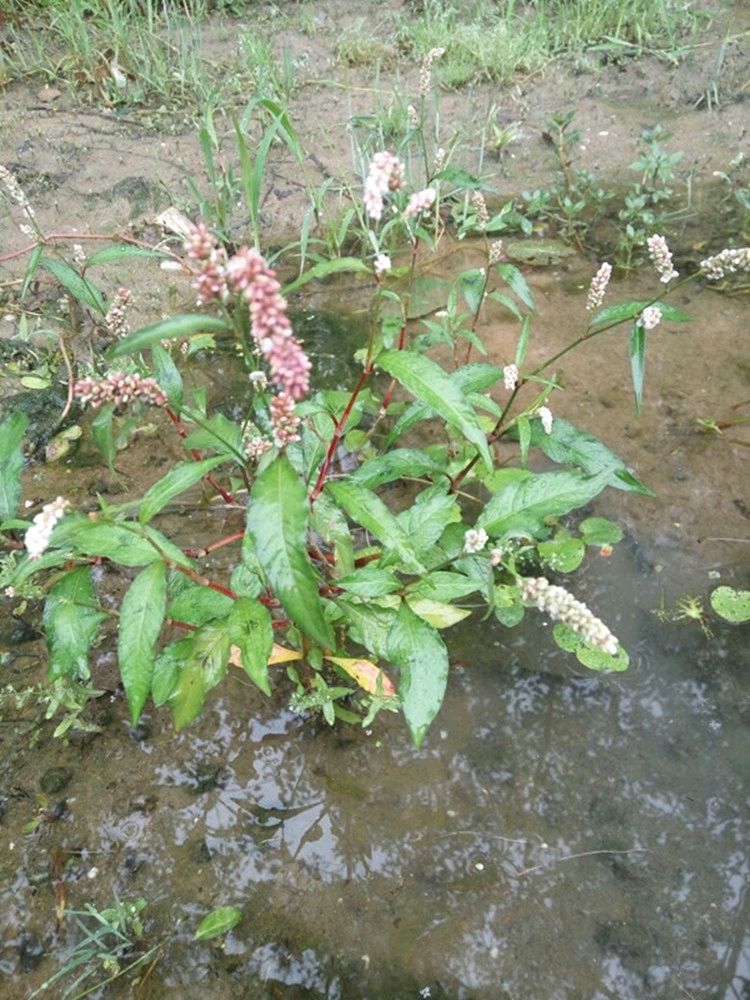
343	578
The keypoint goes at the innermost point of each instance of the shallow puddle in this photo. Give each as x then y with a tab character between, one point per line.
560	835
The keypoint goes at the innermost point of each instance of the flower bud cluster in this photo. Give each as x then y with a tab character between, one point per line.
510	377
650	317
598	287
115	319
729	261
420	202
545	415
386	173
496	251
248	274
211	280
254	444
475	540
425	72
38	535
284	421
382	264
480	209
119	388
661	258
561	605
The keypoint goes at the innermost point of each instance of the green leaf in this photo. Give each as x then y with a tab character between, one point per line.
118	252
436	613
427	381
523	342
330	524
103	435
251	630
570	446
523	426
141	616
562	554
623	311
517	284
31	268
196	605
443	586
367	509
588	656
80	288
71	620
114	541
12	431
326	267
508	605
604	663
521	507
167	667
369	581
188	693
219	434
395	464
184	325
733	605
637	349
211	647
460	179
369	625
425	521
218	922
417	649
475	377
600	531
277	524
179	478
167	375
471	285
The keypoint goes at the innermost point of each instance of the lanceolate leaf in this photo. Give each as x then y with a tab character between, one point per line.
517	283
114	541
80	288
184	325
427	381
369	677
326	267
104	438
251	630
471	378
521	507
179	478
418	650
393	465
167	374
277	524
218	922
71	620
118	252
568	445
623	311
638	361
12	431
367	509
141	617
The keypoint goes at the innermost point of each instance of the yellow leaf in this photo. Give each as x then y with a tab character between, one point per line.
279	654
436	613
366	674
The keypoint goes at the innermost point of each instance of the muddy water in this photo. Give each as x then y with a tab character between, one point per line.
560	835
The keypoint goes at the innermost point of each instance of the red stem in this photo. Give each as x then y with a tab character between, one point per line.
317	489
50	237
202	553
197	455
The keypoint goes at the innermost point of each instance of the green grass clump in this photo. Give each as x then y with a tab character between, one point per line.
139	52
495	41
